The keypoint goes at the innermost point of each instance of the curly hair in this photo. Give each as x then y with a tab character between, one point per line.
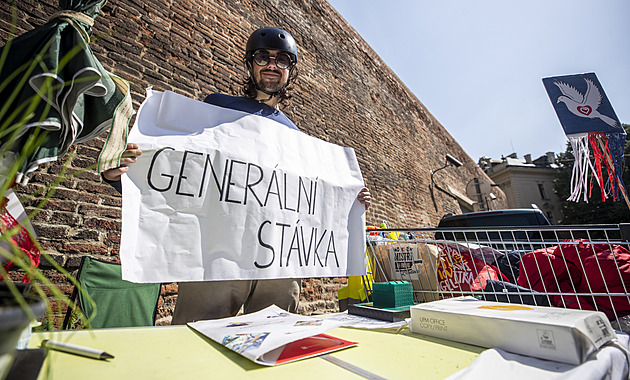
249	89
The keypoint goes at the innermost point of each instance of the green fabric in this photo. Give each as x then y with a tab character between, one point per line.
119	303
53	69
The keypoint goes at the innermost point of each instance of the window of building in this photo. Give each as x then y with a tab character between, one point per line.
541	190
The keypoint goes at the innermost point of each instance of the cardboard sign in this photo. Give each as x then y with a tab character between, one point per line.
219	194
459	270
413	262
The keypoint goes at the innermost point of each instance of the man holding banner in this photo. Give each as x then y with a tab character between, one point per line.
271	56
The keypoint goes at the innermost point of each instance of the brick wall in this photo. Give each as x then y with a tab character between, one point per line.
345	94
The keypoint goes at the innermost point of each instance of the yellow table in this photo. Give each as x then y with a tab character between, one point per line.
179	352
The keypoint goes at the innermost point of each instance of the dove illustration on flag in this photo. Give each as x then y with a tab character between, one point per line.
591	126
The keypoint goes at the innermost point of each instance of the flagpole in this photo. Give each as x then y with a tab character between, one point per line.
612	166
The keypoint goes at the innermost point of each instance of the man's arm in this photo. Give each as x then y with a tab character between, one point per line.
112	176
364	197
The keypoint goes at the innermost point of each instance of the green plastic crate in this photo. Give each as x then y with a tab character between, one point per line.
392	294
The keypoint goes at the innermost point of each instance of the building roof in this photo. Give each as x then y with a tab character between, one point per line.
491	166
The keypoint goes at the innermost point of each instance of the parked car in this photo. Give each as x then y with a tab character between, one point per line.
496	218
498	229
513	232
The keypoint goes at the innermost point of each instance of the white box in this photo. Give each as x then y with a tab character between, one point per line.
550	333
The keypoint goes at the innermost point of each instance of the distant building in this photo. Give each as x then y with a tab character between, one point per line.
525	181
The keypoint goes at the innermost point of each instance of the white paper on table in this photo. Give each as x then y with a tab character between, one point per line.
261	336
360	322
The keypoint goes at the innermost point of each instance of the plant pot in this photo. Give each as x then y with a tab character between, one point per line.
13	320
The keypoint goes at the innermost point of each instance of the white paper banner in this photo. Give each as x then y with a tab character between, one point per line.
219	194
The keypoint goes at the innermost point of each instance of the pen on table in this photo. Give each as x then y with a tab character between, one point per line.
77	350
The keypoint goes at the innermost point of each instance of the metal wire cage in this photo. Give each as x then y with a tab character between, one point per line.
583	267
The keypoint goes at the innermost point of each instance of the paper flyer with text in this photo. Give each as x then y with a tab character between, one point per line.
273	336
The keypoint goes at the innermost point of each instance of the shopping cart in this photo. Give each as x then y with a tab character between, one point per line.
580	267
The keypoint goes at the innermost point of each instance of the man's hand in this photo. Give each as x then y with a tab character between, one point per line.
129	157
364	197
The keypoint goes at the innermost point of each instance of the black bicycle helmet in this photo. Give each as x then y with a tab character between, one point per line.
271	38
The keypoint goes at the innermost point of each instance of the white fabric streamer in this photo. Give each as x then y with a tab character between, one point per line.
581	168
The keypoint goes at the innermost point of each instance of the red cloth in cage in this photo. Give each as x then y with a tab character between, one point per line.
580	267
20	240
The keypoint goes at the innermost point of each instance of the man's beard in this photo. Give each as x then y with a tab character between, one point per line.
270	85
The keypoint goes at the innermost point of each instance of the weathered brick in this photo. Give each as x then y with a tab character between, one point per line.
83	234
84	248
65	219
59	231
101	224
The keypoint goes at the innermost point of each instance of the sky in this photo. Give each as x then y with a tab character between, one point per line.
478	65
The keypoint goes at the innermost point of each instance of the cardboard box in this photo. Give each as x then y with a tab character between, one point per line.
563	335
408	261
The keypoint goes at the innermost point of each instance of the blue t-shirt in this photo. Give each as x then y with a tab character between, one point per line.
241	103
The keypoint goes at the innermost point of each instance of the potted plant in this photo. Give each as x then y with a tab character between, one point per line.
21	139
15	319
23	303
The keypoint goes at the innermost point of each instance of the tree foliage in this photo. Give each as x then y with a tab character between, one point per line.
595	211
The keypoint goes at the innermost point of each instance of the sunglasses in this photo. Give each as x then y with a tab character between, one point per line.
262	58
